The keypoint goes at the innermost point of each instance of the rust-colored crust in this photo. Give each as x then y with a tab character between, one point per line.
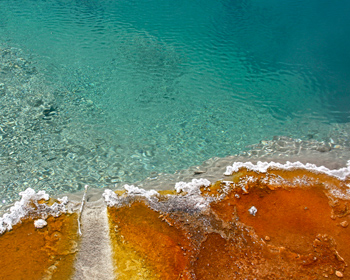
298	232
167	248
47	253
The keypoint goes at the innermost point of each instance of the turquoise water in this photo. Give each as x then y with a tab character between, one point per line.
156	86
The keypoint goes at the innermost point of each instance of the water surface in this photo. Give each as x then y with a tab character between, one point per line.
142	87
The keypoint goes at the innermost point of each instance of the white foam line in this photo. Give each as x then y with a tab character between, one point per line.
24	208
112	199
262	167
192	196
192	187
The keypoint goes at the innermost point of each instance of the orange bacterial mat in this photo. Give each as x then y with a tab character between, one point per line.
272	225
35	248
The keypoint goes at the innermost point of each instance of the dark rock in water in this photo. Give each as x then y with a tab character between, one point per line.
50	111
2	89
31	71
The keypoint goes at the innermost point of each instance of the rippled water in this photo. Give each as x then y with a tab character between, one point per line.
156	86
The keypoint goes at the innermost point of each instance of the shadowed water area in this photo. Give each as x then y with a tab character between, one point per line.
105	92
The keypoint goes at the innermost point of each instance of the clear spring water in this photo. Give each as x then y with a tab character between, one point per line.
169	84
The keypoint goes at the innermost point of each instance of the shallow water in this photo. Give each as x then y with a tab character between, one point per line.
121	90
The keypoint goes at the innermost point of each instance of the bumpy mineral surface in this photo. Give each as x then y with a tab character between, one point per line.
263	221
277	224
39	239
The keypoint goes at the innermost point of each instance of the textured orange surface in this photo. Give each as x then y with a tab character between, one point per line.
47	253
300	231
140	229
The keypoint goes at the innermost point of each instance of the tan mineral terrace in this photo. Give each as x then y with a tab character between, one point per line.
262	220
